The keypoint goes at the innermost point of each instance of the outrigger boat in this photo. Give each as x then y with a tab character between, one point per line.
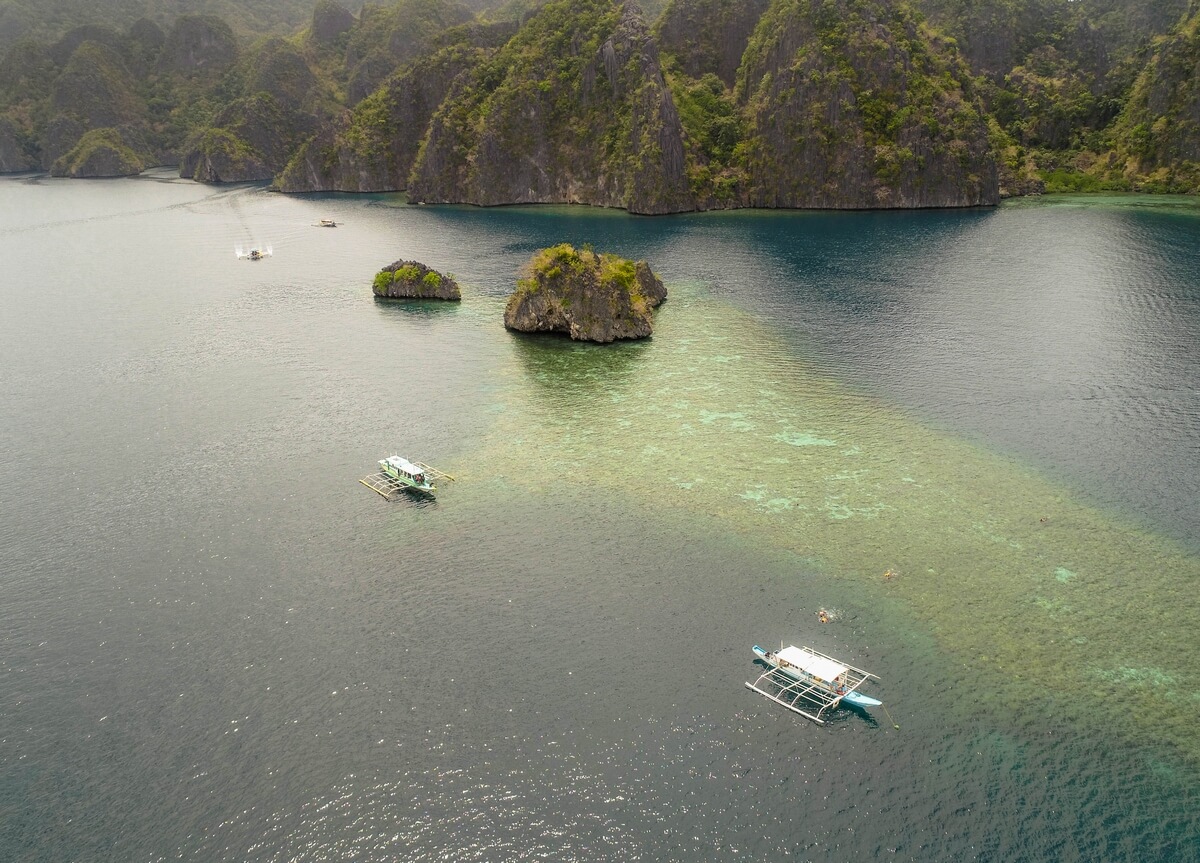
399	474
256	254
799	674
325	223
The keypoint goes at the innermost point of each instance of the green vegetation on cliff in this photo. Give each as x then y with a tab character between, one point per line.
389	36
856	103
46	20
829	103
572	109
1055	74
1156	140
374	148
714	128
99	153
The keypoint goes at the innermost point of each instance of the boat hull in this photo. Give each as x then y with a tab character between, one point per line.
854	698
409	485
860	700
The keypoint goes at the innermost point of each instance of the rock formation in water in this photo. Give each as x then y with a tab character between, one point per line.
573	109
590	297
410	280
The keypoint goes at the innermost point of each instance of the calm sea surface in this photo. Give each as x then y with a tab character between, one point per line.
215	645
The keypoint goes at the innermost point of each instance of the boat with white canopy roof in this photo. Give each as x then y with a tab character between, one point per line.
398	474
800	675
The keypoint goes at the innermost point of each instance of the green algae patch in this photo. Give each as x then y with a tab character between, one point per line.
803	439
864	489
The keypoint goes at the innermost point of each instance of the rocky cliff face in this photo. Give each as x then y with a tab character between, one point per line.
373	149
708	36
596	298
198	45
250	140
410	280
61	51
279	69
142	46
99	153
330	19
96	87
26	71
387	37
14	149
253	137
219	156
573	109
94	91
853	104
1158	133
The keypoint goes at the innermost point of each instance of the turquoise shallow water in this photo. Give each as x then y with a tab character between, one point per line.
217	645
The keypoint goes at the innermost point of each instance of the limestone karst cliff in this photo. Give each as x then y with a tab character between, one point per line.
710	104
573	109
1157	136
856	104
373	147
589	297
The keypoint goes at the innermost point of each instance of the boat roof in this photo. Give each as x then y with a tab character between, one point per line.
818	666
403	464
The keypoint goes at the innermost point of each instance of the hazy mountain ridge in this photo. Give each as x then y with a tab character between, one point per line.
717	103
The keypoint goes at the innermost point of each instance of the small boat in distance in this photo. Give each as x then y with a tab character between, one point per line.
325	223
255	254
796	674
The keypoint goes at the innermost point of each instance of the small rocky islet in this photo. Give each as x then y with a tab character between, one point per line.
412	280
588	296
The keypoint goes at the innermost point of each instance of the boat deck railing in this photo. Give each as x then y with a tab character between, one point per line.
433	471
791	692
384	484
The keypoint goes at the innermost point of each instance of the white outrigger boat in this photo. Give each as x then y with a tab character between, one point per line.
799	674
255	254
325	223
399	474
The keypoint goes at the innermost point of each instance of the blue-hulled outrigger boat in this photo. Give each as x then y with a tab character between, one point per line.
798	675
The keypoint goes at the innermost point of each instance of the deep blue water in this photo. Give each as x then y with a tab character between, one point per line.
217	645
